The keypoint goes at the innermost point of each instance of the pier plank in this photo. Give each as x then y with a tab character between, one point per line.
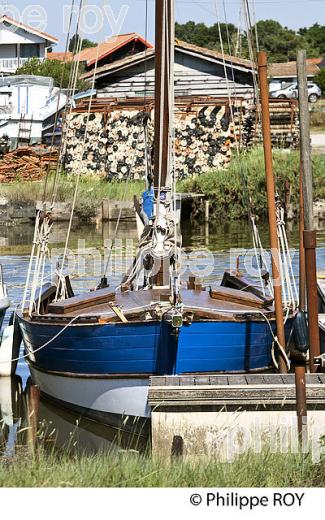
220	380
272	379
237	380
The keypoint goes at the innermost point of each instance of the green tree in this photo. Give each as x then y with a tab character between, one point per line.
315	38
54	69
75	42
320	80
209	37
280	42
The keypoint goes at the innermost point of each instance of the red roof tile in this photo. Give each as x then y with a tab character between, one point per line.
90	56
60	56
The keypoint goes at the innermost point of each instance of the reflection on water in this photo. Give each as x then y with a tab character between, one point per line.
61	427
26	422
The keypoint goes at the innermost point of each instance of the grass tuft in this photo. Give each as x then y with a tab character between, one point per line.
135	470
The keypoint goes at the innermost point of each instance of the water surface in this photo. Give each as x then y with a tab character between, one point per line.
59	426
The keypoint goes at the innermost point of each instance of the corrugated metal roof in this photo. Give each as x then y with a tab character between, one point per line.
91	55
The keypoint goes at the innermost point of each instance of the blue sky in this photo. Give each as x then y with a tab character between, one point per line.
131	14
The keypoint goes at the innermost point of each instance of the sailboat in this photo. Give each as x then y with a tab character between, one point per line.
95	353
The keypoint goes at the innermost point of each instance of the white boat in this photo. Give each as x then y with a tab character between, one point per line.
4	300
28	105
10	338
321	308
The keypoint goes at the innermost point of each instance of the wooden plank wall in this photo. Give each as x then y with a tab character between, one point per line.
192	77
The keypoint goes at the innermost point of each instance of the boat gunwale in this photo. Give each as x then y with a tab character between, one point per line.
147	375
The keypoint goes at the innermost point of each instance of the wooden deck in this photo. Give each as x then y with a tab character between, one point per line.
232	390
221	303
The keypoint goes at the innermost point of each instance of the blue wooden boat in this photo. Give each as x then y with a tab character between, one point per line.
86	358
95	353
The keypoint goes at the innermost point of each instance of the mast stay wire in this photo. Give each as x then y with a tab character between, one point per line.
289	287
257	244
59	96
105	273
40	234
61	287
73	79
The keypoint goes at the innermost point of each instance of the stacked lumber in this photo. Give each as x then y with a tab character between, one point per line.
284	119
27	163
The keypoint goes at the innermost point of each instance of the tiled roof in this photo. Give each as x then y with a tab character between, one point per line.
60	56
91	55
316	61
28	28
213	54
179	45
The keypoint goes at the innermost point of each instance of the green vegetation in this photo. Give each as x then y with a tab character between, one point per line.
129	469
57	70
75	42
320	80
91	192
280	42
228	190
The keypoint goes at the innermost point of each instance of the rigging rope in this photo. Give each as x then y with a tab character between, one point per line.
257	244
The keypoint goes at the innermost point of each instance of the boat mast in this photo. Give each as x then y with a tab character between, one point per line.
164	102
264	94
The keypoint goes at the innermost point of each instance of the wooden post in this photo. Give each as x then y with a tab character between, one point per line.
301	400
34	404
309	231
207	210
302	260
264	93
18	54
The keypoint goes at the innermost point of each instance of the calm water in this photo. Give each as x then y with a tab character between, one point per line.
212	244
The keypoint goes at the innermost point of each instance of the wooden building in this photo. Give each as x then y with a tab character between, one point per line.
198	72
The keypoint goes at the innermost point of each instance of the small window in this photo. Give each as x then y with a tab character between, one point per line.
29	50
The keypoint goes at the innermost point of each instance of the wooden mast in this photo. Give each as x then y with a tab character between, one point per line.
164	46
264	91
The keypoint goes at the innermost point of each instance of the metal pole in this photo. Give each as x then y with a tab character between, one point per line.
301	400
310	241
264	93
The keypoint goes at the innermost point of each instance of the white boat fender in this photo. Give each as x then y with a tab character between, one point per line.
9	348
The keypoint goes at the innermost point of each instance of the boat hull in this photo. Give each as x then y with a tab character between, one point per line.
104	370
104	399
4	305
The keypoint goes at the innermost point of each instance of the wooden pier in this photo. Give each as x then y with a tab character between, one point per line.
221	415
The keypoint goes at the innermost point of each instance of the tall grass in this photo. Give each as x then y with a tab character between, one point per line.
134	470
229	190
92	190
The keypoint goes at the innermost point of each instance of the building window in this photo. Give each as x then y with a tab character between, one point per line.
29	50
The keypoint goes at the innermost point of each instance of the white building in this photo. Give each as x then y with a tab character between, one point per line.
19	43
